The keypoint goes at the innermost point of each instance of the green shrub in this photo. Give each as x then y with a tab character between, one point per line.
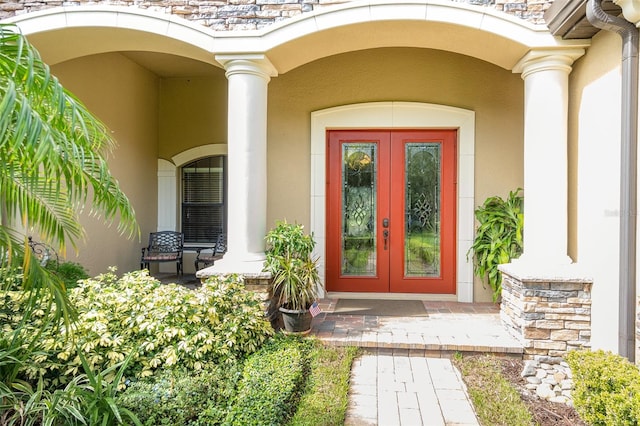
179	397
271	382
69	272
164	326
607	388
421	247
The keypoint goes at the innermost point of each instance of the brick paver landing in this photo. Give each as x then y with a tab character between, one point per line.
450	327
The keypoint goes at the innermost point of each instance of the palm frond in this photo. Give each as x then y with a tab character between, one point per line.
52	163
50	143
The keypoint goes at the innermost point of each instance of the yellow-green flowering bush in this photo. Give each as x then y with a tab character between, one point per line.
164	326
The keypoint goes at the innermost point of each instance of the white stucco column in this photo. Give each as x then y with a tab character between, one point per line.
630	10
546	82
248	77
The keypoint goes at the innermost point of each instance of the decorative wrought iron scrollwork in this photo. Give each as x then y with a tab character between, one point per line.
43	252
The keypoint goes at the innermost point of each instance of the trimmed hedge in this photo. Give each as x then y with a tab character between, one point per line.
607	388
182	398
271	384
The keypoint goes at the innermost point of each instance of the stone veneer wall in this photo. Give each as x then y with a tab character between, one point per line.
549	317
241	15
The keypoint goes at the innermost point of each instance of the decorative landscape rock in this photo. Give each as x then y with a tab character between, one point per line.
549	378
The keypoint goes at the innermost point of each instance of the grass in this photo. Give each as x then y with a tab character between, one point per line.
495	400
325	397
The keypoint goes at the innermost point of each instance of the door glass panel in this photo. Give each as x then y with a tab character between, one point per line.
359	175
422	210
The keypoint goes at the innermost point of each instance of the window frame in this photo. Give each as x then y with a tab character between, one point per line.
191	240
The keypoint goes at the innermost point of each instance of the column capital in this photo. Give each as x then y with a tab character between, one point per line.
547	60
251	63
630	10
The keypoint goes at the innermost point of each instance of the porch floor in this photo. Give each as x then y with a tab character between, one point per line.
449	328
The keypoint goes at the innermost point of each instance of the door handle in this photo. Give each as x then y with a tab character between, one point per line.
385	233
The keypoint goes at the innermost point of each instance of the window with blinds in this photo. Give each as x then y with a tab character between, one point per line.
204	199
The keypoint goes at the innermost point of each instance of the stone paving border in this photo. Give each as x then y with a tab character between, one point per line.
390	387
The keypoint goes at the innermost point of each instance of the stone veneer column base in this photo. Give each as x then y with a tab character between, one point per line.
550	313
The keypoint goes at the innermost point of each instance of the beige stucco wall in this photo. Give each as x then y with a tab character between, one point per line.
398	74
124	96
193	112
594	152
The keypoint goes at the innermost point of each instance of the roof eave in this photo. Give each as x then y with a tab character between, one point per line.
568	18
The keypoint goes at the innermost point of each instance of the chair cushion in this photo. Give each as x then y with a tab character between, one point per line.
209	257
161	256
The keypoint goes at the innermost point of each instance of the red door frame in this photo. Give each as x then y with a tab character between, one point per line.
380	282
389	276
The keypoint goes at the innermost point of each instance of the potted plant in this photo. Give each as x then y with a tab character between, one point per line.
296	281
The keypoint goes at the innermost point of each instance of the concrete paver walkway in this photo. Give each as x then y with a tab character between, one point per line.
389	387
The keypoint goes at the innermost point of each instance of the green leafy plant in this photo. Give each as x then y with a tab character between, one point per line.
498	237
87	399
296	281
53	156
99	391
24	404
607	388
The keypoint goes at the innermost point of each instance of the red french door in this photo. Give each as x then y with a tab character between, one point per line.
391	211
